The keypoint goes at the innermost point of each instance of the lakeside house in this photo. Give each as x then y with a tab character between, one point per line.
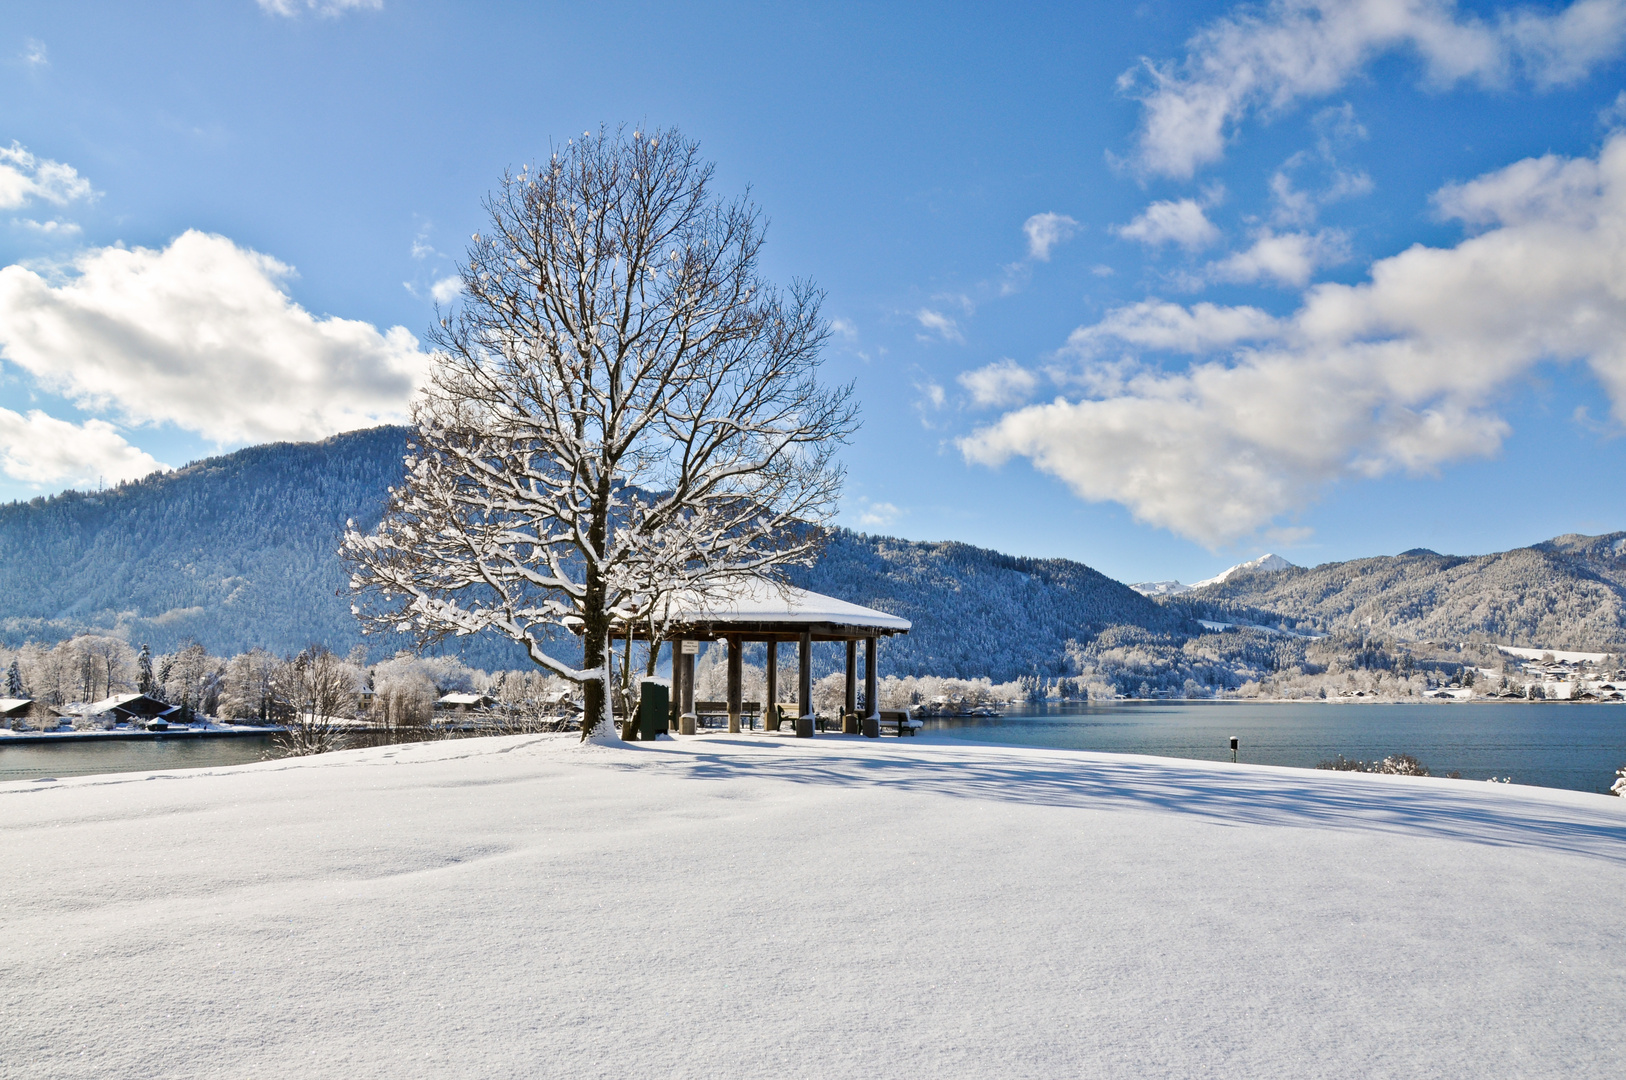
463	703
28	712
138	709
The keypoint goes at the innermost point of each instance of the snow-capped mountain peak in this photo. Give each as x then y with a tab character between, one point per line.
1160	588
1262	563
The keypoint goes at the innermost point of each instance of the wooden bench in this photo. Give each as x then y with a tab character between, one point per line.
901	721
780	713
705	710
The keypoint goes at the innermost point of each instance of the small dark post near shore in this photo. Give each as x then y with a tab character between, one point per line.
1234	741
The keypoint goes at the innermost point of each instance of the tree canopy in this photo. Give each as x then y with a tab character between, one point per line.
618	407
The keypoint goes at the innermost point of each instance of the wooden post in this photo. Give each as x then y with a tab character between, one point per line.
770	708
849	719
686	717
872	701
804	686
735	677
677	684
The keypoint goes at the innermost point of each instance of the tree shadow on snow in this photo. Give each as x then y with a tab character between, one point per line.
1455	810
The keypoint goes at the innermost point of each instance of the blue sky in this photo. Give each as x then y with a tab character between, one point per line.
1155	287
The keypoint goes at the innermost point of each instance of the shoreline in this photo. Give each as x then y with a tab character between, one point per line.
785	887
38	738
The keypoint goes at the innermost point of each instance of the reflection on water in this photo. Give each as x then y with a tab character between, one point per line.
1550	745
33	760
83	757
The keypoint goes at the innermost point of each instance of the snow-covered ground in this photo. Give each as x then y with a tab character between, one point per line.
1558	654
743	906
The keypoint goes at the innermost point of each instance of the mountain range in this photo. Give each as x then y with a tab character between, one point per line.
1174	588
240	551
1565	593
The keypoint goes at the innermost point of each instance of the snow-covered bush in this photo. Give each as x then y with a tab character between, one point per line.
1393	765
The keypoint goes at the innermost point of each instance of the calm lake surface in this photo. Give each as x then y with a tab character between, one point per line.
1549	745
34	760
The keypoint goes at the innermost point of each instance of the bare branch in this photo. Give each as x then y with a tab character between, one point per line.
619	409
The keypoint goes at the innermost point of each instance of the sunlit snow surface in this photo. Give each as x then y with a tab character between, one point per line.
739	906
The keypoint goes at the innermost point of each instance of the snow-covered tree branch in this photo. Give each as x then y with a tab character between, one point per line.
619	408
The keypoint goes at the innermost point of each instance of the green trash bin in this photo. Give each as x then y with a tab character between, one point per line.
654	702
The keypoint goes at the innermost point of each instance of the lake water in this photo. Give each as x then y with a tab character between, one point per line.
34	760
1549	745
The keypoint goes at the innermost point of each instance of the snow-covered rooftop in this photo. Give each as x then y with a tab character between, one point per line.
763	603
464	699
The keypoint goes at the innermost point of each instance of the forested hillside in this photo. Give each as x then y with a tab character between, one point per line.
232	552
979	612
1567	593
239	551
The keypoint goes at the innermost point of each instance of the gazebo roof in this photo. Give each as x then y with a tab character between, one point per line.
762	609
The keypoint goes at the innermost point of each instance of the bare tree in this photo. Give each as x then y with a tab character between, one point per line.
247	693
107	660
620	407
314	692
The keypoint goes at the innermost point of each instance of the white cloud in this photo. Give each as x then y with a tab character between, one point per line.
1614	114
877	514
290	8
1282	258
40	449
1161	326
1002	383
936	322
446	289
34	53
52	229
1401	373
201	334
24	178
1045	231
1181	222
931	400
1266	59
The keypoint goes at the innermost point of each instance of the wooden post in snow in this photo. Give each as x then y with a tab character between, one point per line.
735	677
804	686
849	718
872	702
770	708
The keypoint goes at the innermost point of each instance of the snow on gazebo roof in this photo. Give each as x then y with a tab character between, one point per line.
765	607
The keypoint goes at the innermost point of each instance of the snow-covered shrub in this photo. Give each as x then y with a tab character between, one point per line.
1393	765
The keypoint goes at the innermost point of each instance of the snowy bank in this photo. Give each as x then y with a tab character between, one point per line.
741	906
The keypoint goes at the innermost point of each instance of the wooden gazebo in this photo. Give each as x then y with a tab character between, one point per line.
770	613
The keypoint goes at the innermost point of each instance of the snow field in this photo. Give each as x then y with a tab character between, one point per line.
737	906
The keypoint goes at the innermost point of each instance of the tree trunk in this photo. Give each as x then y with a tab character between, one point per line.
598	722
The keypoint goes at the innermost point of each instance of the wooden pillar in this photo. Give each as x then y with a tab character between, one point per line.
735	677
872	698
677	683
770	708
804	686
686	718
849	720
